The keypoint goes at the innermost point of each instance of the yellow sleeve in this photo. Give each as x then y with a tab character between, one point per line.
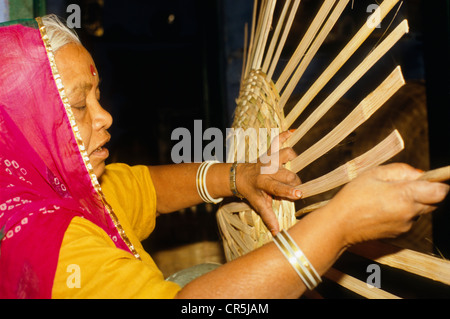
90	266
129	190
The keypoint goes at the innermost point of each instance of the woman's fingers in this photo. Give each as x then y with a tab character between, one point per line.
286	155
281	188
259	188
262	203
428	193
385	202
287	177
278	142
283	137
397	172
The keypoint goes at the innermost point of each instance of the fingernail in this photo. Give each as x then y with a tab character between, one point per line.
292	130
297	193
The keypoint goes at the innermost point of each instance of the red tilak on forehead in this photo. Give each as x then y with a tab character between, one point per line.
93	70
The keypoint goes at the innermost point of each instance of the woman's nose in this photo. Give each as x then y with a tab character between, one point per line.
102	118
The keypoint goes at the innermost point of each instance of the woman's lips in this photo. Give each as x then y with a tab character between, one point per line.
101	152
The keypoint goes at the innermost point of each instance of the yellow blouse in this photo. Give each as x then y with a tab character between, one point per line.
90	265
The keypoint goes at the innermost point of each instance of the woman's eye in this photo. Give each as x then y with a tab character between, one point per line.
79	108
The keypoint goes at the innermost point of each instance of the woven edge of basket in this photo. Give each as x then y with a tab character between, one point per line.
243	230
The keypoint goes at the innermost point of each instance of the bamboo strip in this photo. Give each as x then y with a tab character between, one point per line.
252	39
259	27
356	74
306	41
226	237
275	36
284	36
260	31
244	55
358	116
358	286
339	61
312	50
234	236
379	154
235	207
311	208
239	232
266	24
437	175
411	261
236	222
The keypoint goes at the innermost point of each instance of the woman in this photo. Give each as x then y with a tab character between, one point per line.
65	234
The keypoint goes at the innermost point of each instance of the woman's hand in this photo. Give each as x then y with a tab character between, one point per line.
258	188
384	202
255	186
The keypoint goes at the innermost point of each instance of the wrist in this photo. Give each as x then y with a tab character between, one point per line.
218	180
321	238
233	181
337	225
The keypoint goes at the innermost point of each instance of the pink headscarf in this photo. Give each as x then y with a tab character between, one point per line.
45	175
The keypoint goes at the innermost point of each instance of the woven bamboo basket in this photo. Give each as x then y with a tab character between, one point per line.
261	104
258	107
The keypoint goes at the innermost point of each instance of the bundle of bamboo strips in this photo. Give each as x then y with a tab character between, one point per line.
261	104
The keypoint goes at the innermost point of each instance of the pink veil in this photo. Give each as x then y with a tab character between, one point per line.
45	175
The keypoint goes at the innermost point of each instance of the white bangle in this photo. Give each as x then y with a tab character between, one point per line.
297	259
201	183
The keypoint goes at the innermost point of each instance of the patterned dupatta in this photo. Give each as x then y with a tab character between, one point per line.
45	175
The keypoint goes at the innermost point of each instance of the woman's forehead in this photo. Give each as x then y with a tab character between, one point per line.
76	67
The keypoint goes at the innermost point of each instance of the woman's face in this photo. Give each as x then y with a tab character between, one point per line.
80	79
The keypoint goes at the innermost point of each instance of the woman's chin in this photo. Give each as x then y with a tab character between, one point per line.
99	169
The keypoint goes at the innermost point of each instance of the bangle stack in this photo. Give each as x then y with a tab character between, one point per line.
233	186
201	183
297	259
